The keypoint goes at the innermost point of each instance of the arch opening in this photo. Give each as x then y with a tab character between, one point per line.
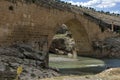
77	32
70	40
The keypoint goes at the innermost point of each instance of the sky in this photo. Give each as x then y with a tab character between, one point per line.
105	5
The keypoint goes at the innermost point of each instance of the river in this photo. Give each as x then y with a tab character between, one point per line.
81	65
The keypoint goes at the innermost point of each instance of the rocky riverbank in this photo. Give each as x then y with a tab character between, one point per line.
110	47
32	61
110	74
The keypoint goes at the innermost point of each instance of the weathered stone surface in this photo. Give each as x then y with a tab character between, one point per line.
113	45
109	47
32	61
62	43
62	30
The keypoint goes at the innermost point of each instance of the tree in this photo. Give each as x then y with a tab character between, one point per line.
102	11
107	12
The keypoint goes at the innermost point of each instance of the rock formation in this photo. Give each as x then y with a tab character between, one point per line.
32	61
63	42
109	47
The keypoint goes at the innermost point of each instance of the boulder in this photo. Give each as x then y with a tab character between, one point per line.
62	43
32	61
62	29
110	47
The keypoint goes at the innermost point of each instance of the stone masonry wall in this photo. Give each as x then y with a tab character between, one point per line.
31	23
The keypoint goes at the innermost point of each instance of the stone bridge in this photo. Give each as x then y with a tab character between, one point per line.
36	25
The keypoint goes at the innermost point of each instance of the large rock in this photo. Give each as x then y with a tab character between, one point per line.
62	29
109	47
63	42
32	61
112	45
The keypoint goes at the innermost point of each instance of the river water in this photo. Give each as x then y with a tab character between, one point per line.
81	65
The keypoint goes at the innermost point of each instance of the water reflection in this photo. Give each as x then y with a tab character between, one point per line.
81	65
